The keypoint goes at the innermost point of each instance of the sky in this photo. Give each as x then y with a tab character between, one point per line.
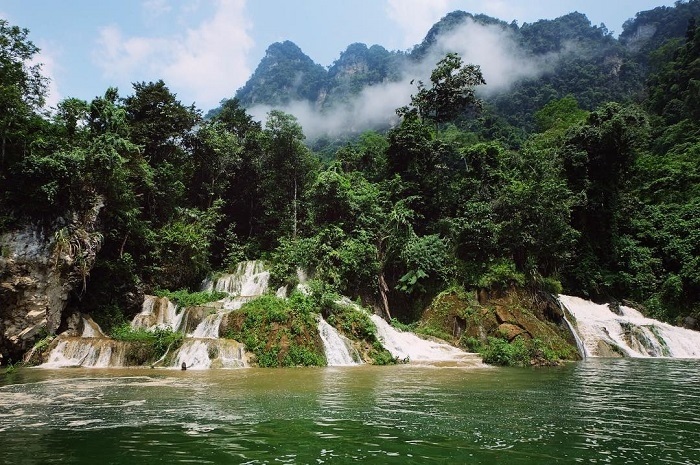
205	50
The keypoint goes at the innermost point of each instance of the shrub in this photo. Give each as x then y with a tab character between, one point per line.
279	332
184	298
502	275
147	345
499	352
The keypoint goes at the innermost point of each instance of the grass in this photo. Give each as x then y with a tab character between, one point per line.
146	346
279	332
184	298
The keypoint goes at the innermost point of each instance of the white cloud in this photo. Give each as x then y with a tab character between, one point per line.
47	58
495	50
503	62
204	63
373	107
416	17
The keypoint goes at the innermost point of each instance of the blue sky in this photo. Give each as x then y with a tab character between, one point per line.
205	50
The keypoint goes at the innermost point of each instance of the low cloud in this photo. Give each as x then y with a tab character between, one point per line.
200	64
495	49
373	107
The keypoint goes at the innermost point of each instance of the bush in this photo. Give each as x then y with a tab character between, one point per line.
147	345
519	352
184	298
502	275
499	352
279	332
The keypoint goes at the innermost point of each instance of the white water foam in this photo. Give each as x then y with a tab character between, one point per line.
405	345
339	349
630	333
199	354
158	312
86	352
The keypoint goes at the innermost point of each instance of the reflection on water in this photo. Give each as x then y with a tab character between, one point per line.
596	411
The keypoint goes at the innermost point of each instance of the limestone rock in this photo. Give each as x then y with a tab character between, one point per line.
38	271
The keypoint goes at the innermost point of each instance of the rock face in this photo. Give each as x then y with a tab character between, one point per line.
39	267
510	315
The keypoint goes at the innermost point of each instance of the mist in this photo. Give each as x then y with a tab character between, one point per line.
492	47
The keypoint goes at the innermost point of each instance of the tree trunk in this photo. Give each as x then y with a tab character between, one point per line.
383	287
383	290
294	207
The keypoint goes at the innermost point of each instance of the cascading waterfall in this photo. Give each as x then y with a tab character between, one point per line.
339	349
604	333
158	312
202	347
250	280
91	349
407	346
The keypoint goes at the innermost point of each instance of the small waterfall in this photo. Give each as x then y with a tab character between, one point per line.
249	280
91	329
218	353
158	312
209	327
90	352
579	343
408	346
339	349
629	334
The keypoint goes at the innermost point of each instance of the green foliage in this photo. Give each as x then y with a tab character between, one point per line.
519	352
425	257
501	275
146	345
452	91
279	332
184	298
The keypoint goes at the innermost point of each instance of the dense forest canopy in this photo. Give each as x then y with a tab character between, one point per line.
583	179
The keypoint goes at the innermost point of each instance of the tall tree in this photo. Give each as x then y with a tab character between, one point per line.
452	91
289	165
22	92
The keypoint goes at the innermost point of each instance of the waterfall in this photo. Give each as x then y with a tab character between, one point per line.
579	343
209	327
249	280
90	352
605	333
91	329
158	312
339	349
210	353
202	347
405	345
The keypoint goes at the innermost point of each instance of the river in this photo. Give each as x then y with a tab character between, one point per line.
613	411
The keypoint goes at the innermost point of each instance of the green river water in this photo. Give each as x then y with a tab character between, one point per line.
627	411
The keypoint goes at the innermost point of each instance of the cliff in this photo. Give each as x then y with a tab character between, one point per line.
40	265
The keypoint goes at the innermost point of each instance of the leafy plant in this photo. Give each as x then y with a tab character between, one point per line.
184	298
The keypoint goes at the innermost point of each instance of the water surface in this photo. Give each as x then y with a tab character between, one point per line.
596	411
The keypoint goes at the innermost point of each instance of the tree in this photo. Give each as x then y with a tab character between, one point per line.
22	92
452	91
289	167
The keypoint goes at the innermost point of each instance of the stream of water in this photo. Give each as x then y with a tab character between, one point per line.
613	411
